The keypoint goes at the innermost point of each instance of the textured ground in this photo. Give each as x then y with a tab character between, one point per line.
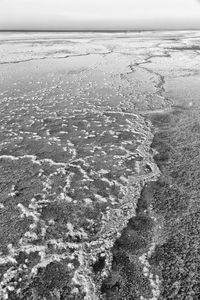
99	166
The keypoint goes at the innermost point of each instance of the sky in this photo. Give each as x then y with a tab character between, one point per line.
99	14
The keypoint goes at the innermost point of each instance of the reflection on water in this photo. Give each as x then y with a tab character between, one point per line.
79	113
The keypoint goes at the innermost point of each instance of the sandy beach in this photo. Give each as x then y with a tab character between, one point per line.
99	165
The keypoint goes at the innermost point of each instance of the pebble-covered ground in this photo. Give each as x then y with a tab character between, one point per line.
99	165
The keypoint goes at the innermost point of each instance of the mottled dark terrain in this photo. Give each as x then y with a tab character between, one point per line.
99	166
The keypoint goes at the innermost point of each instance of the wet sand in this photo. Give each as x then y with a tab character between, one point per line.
100	167
166	226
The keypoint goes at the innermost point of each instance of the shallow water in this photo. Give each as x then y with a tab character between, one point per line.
79	113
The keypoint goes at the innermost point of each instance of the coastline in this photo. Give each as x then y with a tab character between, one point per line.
101	152
162	213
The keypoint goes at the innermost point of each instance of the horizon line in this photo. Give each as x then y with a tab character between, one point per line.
97	30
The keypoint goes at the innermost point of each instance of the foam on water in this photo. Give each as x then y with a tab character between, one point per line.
75	152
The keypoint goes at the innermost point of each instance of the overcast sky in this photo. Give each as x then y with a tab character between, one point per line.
99	14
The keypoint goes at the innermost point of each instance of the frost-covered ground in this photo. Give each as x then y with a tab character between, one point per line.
99	165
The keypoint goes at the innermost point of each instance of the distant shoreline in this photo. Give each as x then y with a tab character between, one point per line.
100	31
